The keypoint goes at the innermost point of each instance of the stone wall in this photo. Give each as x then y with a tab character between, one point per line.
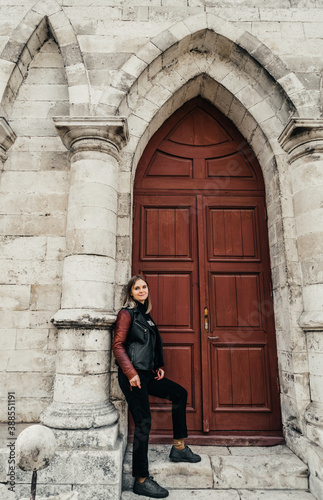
34	188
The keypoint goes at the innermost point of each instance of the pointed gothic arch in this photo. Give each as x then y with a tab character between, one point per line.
152	100
209	35
43	21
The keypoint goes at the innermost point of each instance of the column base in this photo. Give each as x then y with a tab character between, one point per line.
83	416
96	438
92	473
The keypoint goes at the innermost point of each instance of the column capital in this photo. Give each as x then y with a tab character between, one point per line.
302	137
105	133
7	138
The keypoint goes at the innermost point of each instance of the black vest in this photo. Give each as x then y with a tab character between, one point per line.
141	340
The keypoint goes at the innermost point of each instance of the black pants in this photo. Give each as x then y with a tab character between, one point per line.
138	403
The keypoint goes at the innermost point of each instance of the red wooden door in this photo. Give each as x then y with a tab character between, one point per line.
200	238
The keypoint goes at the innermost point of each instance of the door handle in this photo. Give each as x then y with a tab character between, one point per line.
206	320
213	338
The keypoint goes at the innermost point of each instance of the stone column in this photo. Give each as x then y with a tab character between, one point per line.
81	390
7	138
303	140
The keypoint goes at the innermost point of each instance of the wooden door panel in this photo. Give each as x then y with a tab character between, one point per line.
248	300
232	233
223	308
166	289
258	376
164	165
241	383
239	377
233	165
166	233
199	128
235	300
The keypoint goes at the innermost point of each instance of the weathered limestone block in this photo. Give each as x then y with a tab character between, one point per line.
28	338
63	496
30	360
73	389
87	282
175	476
278	495
8	338
31	182
43	490
28	271
6	494
259	472
80	467
14	297
45	297
84	339
30	384
93	438
92	194
83	362
90	294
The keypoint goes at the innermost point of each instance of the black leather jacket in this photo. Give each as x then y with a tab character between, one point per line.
139	343
133	343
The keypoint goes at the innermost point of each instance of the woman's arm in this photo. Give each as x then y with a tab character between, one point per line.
121	331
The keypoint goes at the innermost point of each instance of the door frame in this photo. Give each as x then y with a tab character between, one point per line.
235	437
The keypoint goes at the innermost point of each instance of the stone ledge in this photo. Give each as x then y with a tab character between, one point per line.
311	321
196	494
230	495
86	318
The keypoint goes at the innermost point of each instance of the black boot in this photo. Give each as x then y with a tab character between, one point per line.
185	455
149	488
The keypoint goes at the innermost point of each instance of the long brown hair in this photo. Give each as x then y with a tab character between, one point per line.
129	300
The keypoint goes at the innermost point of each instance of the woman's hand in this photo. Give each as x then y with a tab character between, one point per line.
160	374
135	382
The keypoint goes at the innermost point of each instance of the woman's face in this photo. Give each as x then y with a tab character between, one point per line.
139	291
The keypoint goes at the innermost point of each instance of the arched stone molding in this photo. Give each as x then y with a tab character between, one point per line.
46	19
7	138
215	38
260	115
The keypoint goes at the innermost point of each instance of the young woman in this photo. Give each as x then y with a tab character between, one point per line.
138	349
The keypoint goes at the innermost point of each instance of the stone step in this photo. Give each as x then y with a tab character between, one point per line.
229	495
226	468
